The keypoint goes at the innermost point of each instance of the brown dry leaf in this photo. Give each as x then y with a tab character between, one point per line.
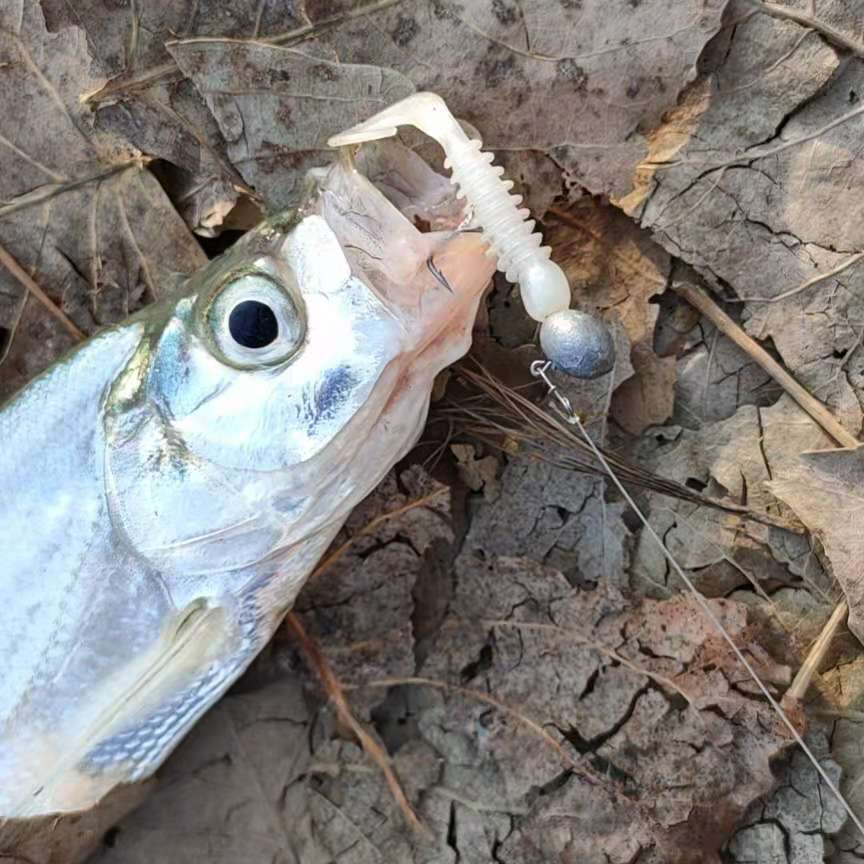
276	107
612	685
476	474
557	517
576	82
130	40
725	459
233	791
72	837
848	748
790	825
79	213
715	378
359	609
149	103
826	491
612	265
734	458
754	181
838	21
263	778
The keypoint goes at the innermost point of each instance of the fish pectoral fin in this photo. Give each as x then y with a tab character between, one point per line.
141	713
175	690
199	638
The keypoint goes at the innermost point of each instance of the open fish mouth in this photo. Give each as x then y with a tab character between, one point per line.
407	235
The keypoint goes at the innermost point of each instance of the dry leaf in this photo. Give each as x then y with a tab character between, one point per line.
276	107
72	837
150	104
476	474
826	491
576	81
753	180
736	457
848	749
79	212
611	686
715	378
233	791
789	826
557	517
612	265
359	609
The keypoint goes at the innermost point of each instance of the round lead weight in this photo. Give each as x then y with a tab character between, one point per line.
578	344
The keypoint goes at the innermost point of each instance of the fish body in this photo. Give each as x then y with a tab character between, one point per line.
173	481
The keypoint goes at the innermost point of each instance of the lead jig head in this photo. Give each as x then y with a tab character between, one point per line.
578	344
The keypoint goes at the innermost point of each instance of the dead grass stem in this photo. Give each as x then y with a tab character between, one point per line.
335	691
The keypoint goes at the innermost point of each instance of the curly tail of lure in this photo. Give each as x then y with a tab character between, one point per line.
575	342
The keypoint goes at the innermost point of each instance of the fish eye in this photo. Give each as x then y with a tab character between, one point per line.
254	320
253	324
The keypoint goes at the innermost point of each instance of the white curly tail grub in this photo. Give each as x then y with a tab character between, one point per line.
521	258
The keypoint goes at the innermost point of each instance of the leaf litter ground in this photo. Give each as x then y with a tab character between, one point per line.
517	644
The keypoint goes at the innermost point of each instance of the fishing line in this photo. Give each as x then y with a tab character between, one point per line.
561	404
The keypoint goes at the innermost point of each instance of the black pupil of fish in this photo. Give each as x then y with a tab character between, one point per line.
252	324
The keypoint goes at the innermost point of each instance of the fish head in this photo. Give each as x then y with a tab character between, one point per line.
289	375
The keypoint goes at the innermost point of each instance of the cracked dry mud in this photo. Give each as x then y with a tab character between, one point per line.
647	724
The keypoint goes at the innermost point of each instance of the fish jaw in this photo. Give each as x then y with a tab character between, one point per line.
435	323
430	281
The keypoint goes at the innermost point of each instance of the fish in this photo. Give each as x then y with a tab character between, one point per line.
172	482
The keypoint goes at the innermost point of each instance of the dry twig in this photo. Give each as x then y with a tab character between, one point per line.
700	300
817	653
336	693
33	288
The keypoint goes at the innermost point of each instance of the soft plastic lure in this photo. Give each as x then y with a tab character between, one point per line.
575	342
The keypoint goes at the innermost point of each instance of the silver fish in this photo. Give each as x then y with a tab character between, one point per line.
171	483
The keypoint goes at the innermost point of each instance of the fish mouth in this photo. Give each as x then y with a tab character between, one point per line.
406	235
